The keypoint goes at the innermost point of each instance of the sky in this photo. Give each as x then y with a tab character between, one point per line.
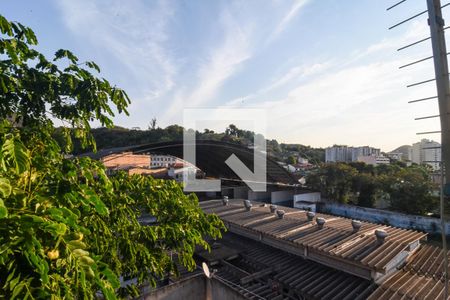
324	72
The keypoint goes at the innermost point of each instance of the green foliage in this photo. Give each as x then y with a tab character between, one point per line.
334	181
67	231
408	189
33	87
291	160
314	155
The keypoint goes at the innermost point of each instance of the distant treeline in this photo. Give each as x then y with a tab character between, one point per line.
121	137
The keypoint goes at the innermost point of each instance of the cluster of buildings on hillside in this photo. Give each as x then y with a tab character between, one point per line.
301	166
423	152
343	153
156	165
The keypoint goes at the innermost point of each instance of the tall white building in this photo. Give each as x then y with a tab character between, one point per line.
338	154
426	152
349	154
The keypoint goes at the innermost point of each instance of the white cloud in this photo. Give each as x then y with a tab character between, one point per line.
291	13
134	35
294	74
223	62
360	99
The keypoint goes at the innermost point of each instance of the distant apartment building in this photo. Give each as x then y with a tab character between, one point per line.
374	160
426	152
364	151
338	154
164	161
342	153
395	155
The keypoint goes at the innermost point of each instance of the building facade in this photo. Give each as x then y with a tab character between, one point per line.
164	161
374	160
426	152
342	153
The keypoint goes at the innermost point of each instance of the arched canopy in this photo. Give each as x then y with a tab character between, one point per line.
210	158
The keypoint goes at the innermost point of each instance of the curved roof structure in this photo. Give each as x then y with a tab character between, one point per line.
211	157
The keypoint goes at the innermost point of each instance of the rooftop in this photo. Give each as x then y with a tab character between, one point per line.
259	271
370	251
420	278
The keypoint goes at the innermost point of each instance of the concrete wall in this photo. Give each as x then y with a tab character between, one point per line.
258	196
212	195
228	191
305	206
220	291
195	288
240	192
427	224
192	288
281	196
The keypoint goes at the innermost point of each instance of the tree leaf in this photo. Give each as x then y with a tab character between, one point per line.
5	187
3	210
112	278
15	153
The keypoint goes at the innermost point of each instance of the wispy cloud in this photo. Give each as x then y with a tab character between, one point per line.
358	99
222	62
293	75
291	13
132	34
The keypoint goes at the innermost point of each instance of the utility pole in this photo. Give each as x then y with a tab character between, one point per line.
436	23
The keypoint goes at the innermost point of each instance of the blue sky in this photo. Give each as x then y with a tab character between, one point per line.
325	71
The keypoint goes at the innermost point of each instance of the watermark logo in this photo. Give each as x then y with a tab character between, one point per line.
198	119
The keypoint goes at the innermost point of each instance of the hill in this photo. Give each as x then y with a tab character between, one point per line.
404	150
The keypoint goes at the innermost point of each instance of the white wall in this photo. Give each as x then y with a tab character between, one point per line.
427	224
311	197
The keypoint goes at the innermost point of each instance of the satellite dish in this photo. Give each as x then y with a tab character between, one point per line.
302	180
206	270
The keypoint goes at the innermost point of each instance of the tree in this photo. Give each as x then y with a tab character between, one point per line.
66	229
291	160
334	181
152	125
366	187
410	190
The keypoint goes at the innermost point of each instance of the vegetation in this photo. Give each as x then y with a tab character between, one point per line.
120	137
66	229
406	189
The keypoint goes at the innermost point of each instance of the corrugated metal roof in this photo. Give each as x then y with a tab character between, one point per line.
406	285
335	245
427	261
263	272
421	278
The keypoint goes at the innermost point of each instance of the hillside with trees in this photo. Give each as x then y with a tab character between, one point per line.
119	137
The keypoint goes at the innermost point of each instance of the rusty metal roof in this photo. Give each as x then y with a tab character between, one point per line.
263	272
421	278
406	285
427	261
336	245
